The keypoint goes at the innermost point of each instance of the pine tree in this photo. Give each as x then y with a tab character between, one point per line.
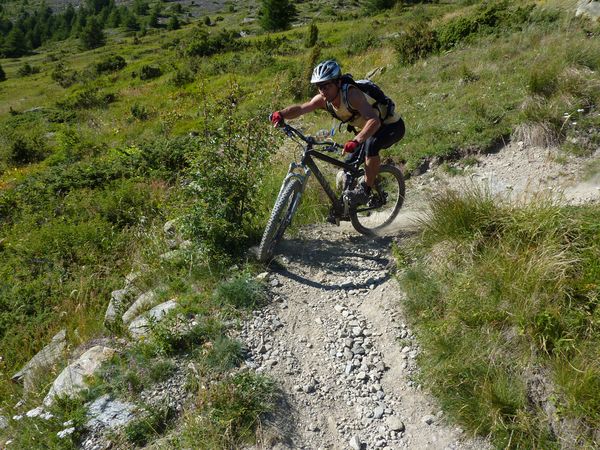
313	36
173	23
92	35
15	44
277	14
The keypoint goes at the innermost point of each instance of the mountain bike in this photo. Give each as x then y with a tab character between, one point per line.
387	194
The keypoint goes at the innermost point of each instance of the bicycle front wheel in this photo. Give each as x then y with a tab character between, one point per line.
385	203
281	218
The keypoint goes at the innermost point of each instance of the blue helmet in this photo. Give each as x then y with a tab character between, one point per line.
327	70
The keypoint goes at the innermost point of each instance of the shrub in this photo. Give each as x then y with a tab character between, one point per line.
26	70
277	14
140	112
181	77
312	36
202	43
87	99
149	72
28	149
111	64
226	173
63	76
418	41
375	6
2	74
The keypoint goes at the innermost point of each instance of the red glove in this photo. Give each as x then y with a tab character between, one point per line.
350	146
276	118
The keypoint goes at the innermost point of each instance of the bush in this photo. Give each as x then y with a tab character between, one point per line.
28	149
2	74
361	41
140	112
110	64
202	43
418	41
149	72
63	76
87	99
226	174
26	70
181	77
312	36
241	292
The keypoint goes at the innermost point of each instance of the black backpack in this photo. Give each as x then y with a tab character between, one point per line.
369	88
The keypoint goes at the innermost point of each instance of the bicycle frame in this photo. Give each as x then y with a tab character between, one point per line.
308	165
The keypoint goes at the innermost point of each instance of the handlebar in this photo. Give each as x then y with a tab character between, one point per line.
330	146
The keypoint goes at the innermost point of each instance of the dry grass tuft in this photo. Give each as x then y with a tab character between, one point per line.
543	134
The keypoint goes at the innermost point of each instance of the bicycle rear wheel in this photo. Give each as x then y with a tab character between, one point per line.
386	200
280	219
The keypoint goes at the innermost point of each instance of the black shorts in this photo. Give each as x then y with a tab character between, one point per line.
385	137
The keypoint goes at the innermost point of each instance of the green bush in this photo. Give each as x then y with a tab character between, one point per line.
27	69
201	43
111	63
140	112
28	149
360	41
63	76
418	41
87	98
2	74
225	176
149	72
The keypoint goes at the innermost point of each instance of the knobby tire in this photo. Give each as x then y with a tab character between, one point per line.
280	219
369	223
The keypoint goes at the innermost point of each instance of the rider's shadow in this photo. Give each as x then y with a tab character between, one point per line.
333	257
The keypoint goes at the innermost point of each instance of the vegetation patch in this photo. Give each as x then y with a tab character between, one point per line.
500	294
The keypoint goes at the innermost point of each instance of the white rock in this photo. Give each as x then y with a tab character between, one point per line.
146	300
66	432
140	326
72	379
355	443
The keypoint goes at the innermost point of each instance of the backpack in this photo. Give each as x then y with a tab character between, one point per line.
369	88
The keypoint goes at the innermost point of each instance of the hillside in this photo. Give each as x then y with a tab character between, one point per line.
138	174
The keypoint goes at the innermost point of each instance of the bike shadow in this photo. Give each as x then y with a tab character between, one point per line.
353	262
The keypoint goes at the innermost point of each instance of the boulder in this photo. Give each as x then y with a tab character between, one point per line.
44	359
140	326
72	379
144	301
107	413
119	300
588	8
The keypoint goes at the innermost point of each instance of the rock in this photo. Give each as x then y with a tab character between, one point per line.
170	228
44	359
378	412
355	443
119	300
146	300
66	432
264	276
140	326
375	72
588	8
428	419
395	424
73	378
3	422
107	413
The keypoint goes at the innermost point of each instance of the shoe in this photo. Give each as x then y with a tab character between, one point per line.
358	196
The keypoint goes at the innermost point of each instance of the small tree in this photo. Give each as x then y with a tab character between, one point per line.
173	23
375	6
92	35
2	74
277	14
313	35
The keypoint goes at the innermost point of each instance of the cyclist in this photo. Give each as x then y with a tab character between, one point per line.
349	104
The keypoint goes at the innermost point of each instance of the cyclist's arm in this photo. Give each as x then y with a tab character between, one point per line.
358	101
293	111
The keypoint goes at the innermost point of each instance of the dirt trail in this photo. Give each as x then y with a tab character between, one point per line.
334	336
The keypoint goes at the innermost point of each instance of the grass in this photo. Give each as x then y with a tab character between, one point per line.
500	293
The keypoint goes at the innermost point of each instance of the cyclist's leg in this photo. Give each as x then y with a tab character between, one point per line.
385	137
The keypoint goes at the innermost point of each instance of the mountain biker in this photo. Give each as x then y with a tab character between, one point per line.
372	132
